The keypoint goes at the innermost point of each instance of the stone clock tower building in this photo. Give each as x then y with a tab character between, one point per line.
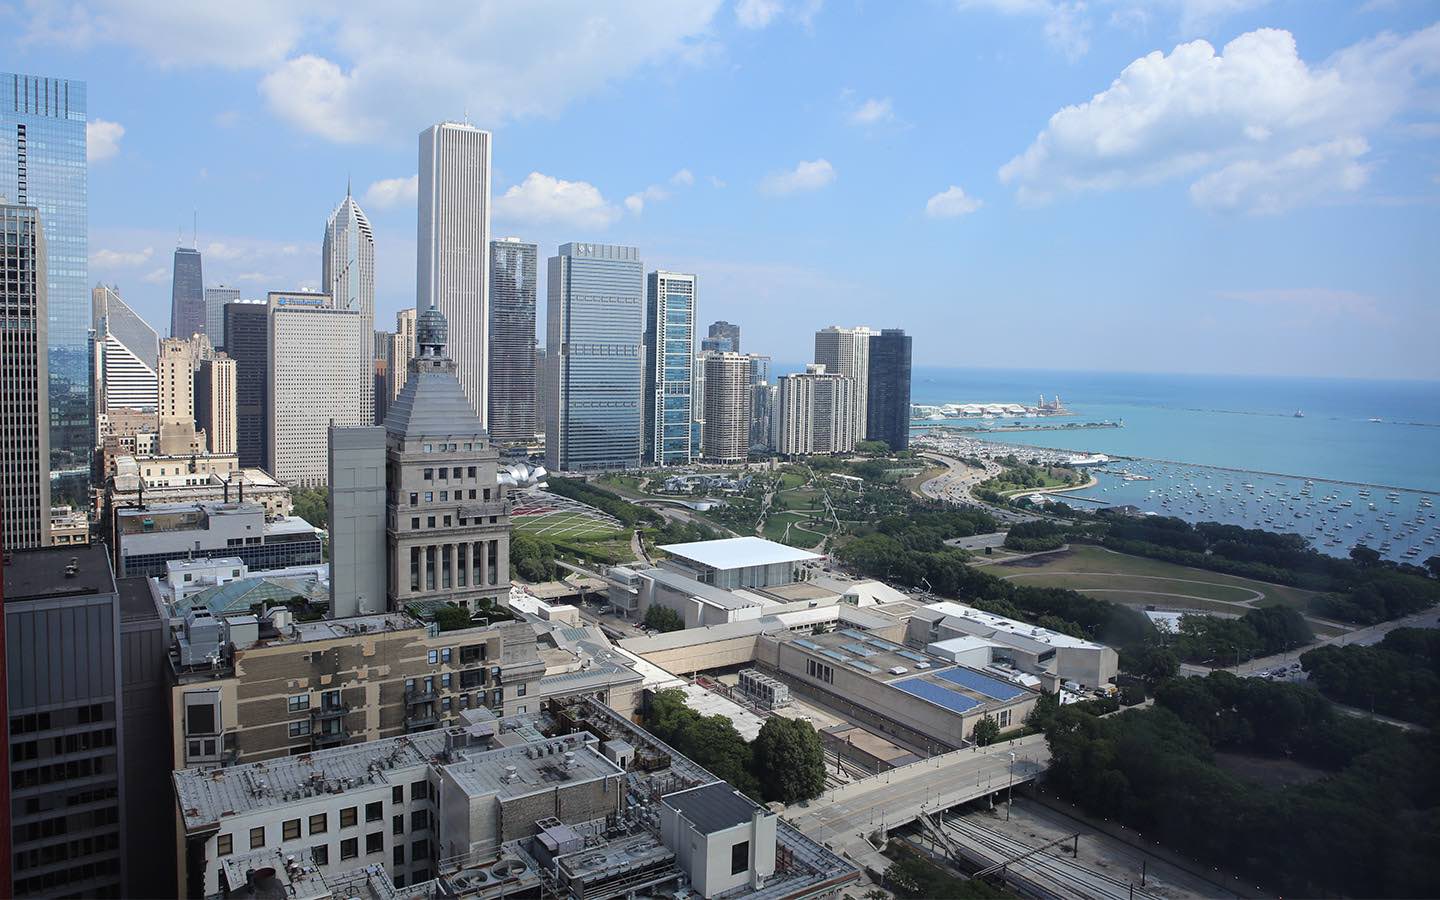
447	518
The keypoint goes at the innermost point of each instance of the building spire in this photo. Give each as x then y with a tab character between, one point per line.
347	185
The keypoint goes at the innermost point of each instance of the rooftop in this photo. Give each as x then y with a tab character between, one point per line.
706	593
537	767
990	624
738	553
137	601
712	807
42	574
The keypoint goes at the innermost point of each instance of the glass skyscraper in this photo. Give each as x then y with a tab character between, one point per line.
513	269
888	406
595	321
215	300
669	367
42	164
187	294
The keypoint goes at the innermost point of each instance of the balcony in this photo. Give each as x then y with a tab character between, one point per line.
319	740
422	721
420	695
330	712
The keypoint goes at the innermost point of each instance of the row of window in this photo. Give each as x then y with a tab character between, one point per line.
450	448
429	496
70	743
819	671
448	473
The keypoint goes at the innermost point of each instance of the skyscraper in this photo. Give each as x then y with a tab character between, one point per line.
816	412
128	354
247	341
347	274
846	351
43	165
727	408
24	381
402	350
453	252
670	300
381	388
187	294
215	402
215	300
595	322
313	382
888	403
725	331
513	269
177	398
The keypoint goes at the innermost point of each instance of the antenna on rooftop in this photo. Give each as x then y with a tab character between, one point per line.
195	229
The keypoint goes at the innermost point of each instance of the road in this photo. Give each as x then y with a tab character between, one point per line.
953	486
1370	634
846	817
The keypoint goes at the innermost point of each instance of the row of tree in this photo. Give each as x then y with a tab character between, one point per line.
1398	677
1369	825
629	514
784	763
1260	632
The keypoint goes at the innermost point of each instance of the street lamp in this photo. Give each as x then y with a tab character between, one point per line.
1010	786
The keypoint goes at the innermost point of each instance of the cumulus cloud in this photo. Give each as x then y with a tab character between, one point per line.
390	192
950	203
1247	122
542	199
157	276
1066	26
757	13
872	112
635	203
683	178
114	258
372	70
102	139
808	175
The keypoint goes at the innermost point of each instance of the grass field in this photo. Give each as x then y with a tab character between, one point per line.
791	479
628	485
813	531
566	525
798	499
1137	581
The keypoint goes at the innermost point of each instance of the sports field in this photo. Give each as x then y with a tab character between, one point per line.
1138	581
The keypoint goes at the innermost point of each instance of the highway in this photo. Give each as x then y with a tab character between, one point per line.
845	818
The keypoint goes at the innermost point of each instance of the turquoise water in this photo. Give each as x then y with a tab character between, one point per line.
1239	422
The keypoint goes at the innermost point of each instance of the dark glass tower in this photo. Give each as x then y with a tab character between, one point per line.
247	341
888	412
723	331
513	265
187	294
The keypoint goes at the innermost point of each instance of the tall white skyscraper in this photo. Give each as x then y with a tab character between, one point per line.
215	300
348	276
816	412
670	299
313	382
846	351
128	352
453	253
727	407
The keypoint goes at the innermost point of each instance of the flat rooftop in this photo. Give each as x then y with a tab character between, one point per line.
712	807
706	593
989	624
738	553
538	767
41	574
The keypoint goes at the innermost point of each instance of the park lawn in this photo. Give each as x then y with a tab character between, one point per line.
912	482
797	499
611	550
774	529
1138	572
625	485
567	526
791	479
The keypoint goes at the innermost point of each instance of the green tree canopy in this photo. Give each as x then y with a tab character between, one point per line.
789	760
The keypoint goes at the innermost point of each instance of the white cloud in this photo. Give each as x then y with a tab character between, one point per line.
1303	175
683	178
1315	301
757	13
221	250
950	203
156	276
389	192
102	139
1256	107
808	175
635	203
541	199
113	258
1066	26
872	112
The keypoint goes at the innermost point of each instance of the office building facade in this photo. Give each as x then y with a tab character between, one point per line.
313	382
846	351
727	408
670	301
357	521
215	300
888	400
24	379
453	254
514	267
725	331
247	341
595	322
127	355
43	165
215	403
402	350
817	412
177	399
187	294
347	274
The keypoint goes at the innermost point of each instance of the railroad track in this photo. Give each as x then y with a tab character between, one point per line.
1055	876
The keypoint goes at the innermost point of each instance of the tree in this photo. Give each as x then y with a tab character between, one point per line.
452	618
987	731
1364	556
312	505
532	558
1151	662
663	618
872	448
1433	565
789	760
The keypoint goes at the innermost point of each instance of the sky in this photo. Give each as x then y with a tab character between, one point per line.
1206	186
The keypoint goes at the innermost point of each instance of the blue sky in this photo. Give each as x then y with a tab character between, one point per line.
1238	186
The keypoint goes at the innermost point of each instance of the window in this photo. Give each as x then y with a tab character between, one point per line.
445	679
1002	718
427	448
321	854
257	838
299	702
464	701
398	855
418	820
331	700
319	823
430	523
819	671
429	496
397	794
444	704
375	842
419	790
420	877
419	850
300	728
740	857
472	494
224	845
399	881
349	817
447	521
414	499
414	523
470	472
520	710
397	824
444	496
445	656
349	848
374	812
434	657
428	474
455	473
290	830
520	690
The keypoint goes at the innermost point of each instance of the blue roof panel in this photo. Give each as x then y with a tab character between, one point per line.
982	684
934	693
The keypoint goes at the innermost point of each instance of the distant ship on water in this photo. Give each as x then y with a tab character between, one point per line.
1299	413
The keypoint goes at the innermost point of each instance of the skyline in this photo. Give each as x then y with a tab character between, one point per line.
1257	270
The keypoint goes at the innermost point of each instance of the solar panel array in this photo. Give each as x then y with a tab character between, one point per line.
911	656
982	684
934	693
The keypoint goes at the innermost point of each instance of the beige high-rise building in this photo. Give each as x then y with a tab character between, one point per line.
846	351
215	402
817	413
402	350
727	408
177	399
24	381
